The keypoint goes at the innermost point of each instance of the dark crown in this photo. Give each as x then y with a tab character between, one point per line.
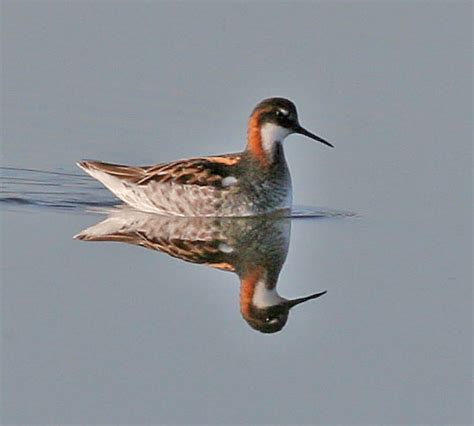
280	111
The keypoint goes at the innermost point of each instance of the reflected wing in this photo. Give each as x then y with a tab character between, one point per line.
231	244
194	240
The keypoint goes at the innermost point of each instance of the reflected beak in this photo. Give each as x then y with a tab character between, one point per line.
294	302
303	131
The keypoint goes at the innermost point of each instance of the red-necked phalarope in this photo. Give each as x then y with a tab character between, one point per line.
254	182
254	248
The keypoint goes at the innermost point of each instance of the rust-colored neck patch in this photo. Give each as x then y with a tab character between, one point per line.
254	139
247	290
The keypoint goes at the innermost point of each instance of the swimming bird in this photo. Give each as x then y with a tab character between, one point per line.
250	183
254	248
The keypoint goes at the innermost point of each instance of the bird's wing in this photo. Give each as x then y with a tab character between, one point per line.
196	240
203	171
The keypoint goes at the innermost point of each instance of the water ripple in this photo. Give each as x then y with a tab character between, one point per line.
33	188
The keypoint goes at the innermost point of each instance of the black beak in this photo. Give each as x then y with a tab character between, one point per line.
303	131
294	302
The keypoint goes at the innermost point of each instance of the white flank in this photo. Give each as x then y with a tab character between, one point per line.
229	181
130	193
224	248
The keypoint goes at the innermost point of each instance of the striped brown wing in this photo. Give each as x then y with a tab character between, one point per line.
203	171
200	252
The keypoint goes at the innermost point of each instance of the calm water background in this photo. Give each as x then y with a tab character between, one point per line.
108	333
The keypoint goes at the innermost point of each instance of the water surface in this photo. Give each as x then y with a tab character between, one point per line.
111	332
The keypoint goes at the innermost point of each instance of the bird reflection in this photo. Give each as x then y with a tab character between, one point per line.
255	248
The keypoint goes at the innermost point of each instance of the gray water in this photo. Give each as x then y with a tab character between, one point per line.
102	332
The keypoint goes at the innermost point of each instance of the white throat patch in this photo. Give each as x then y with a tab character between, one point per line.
264	297
272	133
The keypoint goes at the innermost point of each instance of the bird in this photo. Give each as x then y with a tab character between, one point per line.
254	248
253	182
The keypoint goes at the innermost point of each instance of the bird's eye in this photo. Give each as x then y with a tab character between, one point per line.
267	319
